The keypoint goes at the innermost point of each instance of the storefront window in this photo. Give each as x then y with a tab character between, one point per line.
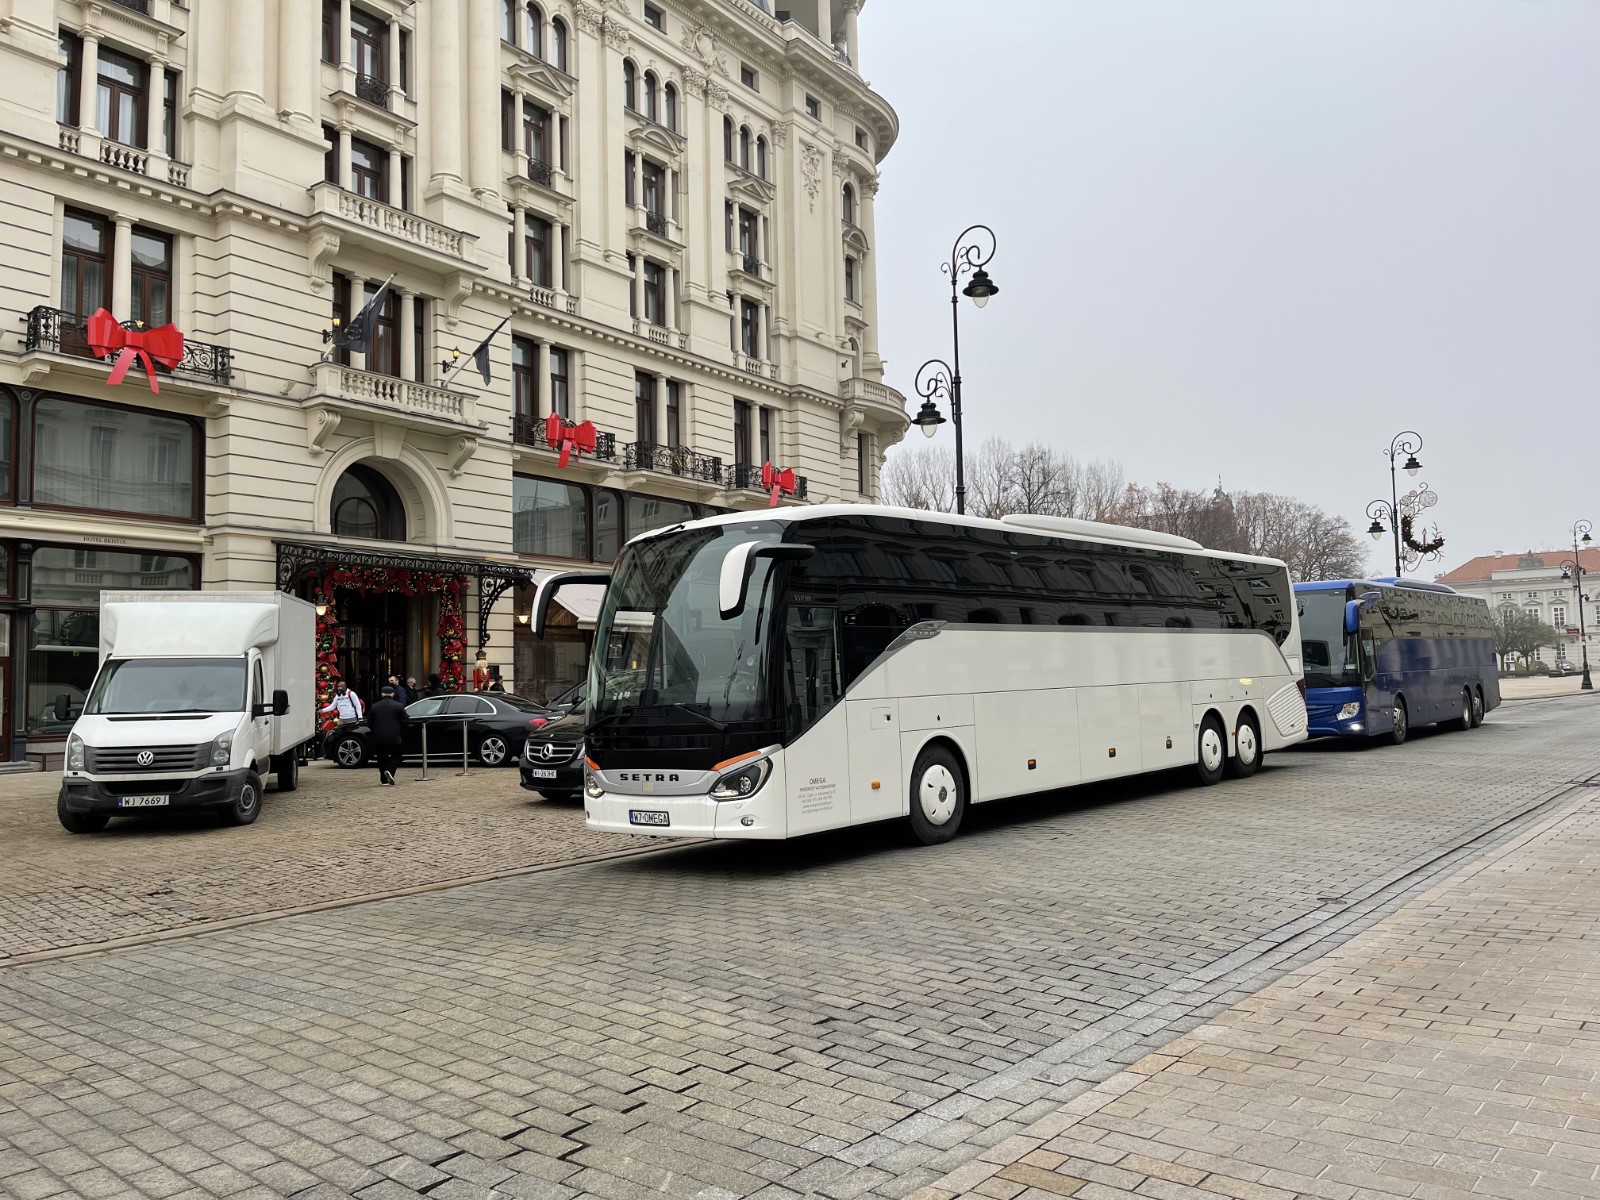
607	526
549	518
113	460
7	429
652	512
65	647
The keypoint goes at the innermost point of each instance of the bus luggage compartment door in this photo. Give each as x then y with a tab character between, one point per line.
874	736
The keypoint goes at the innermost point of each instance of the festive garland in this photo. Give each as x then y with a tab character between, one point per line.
1420	547
452	625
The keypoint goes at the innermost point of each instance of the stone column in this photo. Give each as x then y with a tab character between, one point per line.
541	382
342	37
299	23
89	84
444	89
397	176
247	43
483	59
825	22
638	285
396	92
672	298
122	269
154	108
852	11
867	204
344	158
408	337
358	301
558	255
519	244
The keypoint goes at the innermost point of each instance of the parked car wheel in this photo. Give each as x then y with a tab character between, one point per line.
494	750
348	752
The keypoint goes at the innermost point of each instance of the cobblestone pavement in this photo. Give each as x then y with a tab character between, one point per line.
842	1017
339	836
1451	1051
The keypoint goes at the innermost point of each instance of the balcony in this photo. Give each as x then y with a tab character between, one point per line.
756	366
672	460
142	7
746	477
529	431
122	157
870	391
372	90
341	217
750	265
541	173
655	223
346	392
53	331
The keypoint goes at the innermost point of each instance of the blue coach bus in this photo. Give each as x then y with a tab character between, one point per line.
1385	655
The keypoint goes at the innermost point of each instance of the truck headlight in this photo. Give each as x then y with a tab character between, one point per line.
74	753
1353	709
222	750
591	786
746	781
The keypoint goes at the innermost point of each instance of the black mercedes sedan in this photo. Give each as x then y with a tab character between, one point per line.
552	757
491	727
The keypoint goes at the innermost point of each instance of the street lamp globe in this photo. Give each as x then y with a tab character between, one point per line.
1412	465
1376	530
981	288
928	419
1587	539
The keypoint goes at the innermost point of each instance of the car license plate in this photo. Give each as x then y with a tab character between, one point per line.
542	772
638	816
144	801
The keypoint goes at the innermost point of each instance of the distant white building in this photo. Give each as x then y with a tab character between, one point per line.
1534	582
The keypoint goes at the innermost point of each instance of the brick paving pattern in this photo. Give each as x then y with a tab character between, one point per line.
1450	1052
340	835
842	1017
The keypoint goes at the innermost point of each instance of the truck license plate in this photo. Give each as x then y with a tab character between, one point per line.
542	772
144	801
638	816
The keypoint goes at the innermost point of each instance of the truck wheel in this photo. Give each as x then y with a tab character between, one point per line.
287	769
247	806
89	822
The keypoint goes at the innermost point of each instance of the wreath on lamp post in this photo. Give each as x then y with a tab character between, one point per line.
1432	546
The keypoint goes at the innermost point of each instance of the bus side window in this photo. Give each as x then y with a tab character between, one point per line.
811	650
867	631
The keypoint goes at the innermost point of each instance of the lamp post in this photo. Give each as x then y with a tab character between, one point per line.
1407	443
1574	571
968	257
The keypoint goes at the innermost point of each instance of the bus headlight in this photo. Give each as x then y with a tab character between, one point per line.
746	781
591	786
74	753
1353	709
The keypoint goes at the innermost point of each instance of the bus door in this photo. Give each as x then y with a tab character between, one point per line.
816	757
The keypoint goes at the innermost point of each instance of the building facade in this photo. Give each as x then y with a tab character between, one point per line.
1542	584
658	215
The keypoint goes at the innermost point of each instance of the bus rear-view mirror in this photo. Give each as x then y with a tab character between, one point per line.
734	581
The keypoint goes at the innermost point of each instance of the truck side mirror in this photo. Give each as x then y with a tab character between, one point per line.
63	707
280	702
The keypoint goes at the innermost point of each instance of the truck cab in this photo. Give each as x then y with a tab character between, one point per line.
198	696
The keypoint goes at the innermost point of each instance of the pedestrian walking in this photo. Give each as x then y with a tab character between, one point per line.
346	705
402	695
387	723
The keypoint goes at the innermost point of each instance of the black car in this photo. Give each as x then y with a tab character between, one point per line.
552	758
497	725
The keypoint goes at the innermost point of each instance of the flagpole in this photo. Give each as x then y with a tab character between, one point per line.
466	358
333	342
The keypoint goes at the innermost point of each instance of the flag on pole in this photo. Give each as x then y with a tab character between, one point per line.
357	334
480	356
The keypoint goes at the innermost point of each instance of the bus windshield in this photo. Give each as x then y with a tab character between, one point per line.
661	643
1330	655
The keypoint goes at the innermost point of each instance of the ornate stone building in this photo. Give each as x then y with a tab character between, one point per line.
658	212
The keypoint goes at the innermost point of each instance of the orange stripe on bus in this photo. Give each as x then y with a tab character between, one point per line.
728	762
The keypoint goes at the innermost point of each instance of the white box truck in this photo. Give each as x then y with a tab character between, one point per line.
199	694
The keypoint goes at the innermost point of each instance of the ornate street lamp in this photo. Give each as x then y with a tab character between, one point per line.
1389	514
1573	570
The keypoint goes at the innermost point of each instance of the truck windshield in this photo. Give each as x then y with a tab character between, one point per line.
1330	654
168	685
661	643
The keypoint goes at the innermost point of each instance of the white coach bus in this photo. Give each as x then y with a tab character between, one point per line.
780	674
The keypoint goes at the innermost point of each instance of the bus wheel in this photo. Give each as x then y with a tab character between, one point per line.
1464	721
1211	751
1477	708
938	796
1402	725
1246	758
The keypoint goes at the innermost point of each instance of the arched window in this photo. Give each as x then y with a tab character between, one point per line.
365	505
650	111
670	96
761	157
630	85
557	57
508	21
849	204
744	146
727	139
535	39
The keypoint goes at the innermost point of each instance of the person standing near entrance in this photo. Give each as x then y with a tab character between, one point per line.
346	705
387	723
435	685
402	696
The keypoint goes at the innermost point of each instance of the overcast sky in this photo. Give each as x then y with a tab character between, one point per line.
1258	238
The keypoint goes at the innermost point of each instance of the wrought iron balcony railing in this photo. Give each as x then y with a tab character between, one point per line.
373	90
751	265
672	460
63	332
656	223
529	431
747	477
540	172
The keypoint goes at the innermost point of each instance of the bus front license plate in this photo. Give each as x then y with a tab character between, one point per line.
638	816
144	801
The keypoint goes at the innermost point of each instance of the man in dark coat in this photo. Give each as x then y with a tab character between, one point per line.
435	685
386	721
401	694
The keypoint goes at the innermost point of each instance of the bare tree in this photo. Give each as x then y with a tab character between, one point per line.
920	477
1521	633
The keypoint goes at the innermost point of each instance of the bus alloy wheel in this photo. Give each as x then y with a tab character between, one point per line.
938	796
1477	708
1246	758
1397	735
1211	750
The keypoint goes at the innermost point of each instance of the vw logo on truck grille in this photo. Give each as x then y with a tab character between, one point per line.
145	757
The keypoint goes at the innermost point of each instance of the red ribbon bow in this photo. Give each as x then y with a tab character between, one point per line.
105	336
558	435
777	482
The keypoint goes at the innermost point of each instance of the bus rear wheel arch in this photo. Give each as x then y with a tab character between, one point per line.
1246	760
938	799
1464	720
